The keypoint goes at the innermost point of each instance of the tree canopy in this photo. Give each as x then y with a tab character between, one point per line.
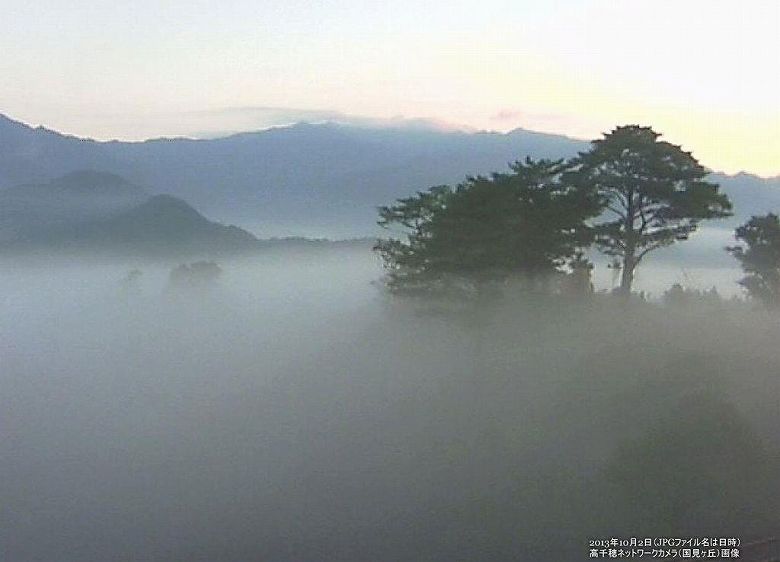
652	192
523	224
759	256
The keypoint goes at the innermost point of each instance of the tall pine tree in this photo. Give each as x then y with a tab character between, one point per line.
653	194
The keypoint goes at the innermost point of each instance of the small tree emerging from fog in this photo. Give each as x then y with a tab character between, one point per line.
525	224
652	192
198	275
759	256
678	296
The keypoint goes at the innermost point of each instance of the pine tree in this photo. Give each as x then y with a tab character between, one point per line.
760	258
525	224
653	194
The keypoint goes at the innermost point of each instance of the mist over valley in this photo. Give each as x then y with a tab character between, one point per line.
200	360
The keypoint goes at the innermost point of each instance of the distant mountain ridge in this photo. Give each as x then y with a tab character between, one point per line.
322	180
81	182
161	225
98	212
30	210
311	180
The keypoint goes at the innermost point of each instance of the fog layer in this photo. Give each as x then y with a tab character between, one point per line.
291	412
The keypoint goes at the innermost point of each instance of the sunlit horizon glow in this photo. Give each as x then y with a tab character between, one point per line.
706	74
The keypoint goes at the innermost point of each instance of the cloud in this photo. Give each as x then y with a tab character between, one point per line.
221	122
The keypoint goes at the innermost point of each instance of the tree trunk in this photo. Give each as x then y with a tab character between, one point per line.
627	275
629	258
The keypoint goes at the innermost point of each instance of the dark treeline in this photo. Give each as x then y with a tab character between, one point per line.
629	195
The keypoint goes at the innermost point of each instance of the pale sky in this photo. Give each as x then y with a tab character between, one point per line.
706	73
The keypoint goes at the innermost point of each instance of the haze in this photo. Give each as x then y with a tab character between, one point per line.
412	281
291	412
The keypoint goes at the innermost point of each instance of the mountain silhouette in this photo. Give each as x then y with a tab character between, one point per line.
306	179
163	225
89	183
101	212
33	209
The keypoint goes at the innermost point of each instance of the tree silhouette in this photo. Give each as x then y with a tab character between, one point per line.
652	193
198	275
760	257
524	224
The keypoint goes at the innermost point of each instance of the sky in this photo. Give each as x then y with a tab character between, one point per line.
705	73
